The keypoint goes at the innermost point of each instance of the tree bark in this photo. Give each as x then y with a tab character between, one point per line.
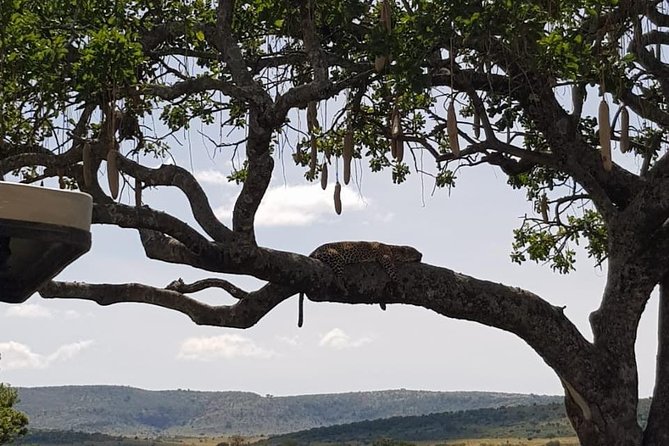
657	429
609	431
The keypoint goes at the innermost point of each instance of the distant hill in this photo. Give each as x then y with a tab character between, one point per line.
543	420
128	411
531	421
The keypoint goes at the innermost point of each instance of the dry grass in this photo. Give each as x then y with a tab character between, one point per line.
563	441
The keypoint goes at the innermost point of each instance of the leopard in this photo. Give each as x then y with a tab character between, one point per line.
337	255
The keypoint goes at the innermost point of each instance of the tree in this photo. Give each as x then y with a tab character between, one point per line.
77	89
13	423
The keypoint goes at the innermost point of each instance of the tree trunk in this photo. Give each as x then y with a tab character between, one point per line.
609	422
657	429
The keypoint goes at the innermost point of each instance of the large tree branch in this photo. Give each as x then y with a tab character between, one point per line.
570	154
171	175
543	326
158	246
243	314
259	174
224	41
147	218
301	95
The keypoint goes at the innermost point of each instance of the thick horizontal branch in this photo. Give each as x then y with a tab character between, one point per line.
541	325
243	314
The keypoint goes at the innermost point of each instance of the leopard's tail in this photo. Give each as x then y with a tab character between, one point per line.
300	310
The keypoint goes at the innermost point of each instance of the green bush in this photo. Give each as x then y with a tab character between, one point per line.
13	423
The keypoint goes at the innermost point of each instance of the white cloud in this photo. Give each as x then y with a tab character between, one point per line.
293	341
69	351
71	314
298	205
36	311
20	356
213	177
224	346
338	340
30	311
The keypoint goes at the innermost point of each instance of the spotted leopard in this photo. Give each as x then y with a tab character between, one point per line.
339	254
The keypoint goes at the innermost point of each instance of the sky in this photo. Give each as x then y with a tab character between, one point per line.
341	348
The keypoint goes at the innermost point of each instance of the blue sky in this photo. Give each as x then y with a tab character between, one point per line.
341	347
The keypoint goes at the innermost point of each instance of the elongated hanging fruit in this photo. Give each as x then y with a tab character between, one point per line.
624	130
385	19
452	130
605	135
347	154
397	143
87	158
112	172
348	143
327	150
347	171
395	124
398	148
543	207
312	117
312	156
386	16
576	96
477	126
337	198
324	176
380	63
138	192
